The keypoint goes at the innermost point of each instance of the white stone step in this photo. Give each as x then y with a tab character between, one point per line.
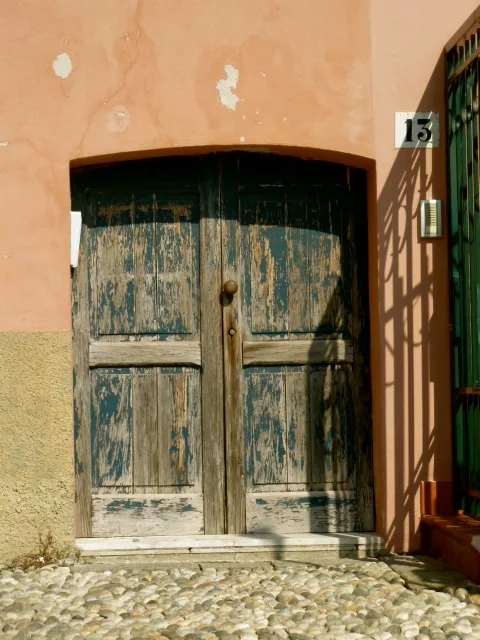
224	547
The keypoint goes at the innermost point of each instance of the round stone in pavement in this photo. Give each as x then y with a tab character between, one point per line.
276	601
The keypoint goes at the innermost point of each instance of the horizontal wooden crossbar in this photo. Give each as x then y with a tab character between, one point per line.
296	352
138	354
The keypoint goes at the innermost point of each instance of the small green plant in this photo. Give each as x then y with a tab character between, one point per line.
47	552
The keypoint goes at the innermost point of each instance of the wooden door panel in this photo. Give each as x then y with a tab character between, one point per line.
114	259
146	257
303	343
140	291
146	438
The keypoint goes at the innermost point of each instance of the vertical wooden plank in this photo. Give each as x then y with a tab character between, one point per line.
194	425
81	389
268	265
318	418
177	266
172	440
145	436
115	268
325	268
179	427
112	428
358	376
329	455
213	457
297	399
297	267
232	269
145	266
266	413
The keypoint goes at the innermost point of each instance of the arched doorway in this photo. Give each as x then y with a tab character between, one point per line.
221	348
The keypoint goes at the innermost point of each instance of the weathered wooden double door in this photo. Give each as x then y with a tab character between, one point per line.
221	379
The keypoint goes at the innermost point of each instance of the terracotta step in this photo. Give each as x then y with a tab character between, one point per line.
456	539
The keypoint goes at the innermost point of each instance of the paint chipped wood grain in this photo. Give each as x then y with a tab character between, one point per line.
268	267
233	269
265	408
325	267
134	354
115	286
297	352
177	267
297	266
145	435
297	399
305	512
142	515
82	388
179	428
212	390
329	410
112	429
145	303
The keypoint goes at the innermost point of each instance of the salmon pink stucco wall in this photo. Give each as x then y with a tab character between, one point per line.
411	355
92	81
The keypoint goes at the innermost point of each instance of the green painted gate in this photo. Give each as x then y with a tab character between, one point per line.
221	348
463	136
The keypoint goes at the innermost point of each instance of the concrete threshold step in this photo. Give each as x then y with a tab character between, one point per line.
456	540
307	547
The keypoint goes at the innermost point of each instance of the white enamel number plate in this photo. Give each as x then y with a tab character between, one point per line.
417	130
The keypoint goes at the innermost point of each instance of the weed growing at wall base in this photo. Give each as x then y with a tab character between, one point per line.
48	552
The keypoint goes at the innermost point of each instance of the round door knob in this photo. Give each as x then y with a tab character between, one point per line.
230	287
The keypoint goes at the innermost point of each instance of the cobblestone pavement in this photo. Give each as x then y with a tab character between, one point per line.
345	599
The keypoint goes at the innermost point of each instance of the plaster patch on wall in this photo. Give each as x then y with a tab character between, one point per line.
118	119
226	87
62	65
4	143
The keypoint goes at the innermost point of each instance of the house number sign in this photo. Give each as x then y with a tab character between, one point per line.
417	130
